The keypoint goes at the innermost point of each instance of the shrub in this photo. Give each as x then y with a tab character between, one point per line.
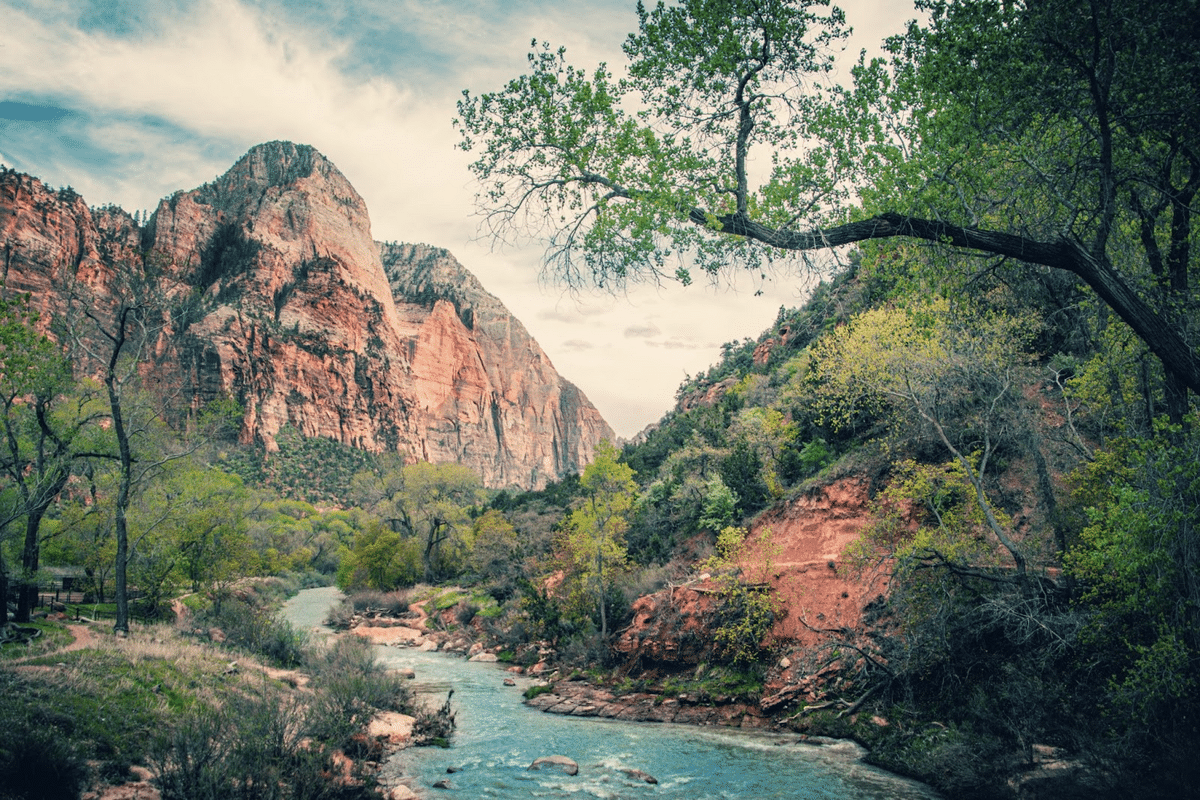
257	631
38	762
254	747
351	685
465	612
341	615
537	690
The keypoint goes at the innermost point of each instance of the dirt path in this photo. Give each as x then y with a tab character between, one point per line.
82	638
422	615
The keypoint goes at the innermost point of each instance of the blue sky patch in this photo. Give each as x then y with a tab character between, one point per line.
27	112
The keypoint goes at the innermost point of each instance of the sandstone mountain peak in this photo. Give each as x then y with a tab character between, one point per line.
310	323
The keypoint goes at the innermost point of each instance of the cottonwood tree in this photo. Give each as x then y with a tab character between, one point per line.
1053	134
592	536
432	508
45	421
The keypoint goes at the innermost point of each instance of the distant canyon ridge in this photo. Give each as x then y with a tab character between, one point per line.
282	300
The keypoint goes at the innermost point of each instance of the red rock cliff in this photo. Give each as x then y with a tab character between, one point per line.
300	321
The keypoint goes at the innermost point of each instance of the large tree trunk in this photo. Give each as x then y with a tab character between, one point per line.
3	592
30	561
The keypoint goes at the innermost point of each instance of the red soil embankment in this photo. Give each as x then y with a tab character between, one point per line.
797	547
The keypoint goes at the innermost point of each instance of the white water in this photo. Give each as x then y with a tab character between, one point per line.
498	738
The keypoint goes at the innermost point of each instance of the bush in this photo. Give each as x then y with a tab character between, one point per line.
254	747
257	631
539	689
351	685
38	762
341	615
388	604
465	612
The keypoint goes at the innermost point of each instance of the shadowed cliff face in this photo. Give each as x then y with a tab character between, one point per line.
295	316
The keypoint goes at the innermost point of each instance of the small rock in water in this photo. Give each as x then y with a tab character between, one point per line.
452	770
509	682
638	775
444	783
562	762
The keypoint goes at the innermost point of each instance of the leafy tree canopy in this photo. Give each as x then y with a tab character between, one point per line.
1047	133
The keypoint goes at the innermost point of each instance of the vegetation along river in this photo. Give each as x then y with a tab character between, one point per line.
498	738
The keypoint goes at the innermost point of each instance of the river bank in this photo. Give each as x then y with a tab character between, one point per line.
616	740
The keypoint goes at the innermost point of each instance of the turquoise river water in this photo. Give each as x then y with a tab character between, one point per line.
498	738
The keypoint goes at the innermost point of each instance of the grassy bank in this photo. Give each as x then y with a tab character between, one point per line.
205	719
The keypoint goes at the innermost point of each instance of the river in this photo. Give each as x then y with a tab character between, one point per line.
498	738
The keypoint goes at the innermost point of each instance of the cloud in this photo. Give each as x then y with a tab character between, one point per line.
676	344
578	344
642	331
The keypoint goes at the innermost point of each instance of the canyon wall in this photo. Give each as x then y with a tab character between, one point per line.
272	291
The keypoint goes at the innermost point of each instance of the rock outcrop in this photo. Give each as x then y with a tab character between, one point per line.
275	294
585	700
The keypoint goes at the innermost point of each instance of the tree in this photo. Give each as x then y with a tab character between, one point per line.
43	433
432	508
207	513
117	335
495	547
592	537
1048	133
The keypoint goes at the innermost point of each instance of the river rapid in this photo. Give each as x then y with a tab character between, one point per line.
498	738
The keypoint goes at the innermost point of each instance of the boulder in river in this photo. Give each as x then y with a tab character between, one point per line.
638	775
560	762
391	728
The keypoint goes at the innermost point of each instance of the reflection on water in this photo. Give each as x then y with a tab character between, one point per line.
498	738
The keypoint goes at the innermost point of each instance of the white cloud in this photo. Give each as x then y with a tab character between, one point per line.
645	331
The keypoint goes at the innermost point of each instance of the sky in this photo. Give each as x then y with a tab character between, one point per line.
128	101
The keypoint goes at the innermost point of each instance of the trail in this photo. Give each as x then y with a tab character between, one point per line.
82	638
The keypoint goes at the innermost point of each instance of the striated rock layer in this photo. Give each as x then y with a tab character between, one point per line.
274	293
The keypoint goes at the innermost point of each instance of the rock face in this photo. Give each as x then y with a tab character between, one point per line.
280	298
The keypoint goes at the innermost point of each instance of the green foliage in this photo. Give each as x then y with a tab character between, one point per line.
380	559
591	540
248	623
495	547
626	190
36	763
720	505
1135	559
949	522
537	690
746	610
352	687
313	469
742	471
